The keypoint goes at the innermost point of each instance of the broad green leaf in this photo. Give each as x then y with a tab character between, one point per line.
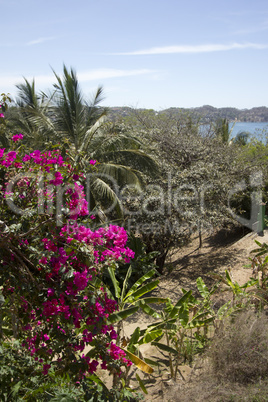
140	281
204	322
141	291
199	316
167	324
258	243
125	283
150	336
229	280
147	309
115	282
135	336
184	314
122	315
199	320
155	300
179	303
223	309
203	290
97	380
262	252
219	277
146	368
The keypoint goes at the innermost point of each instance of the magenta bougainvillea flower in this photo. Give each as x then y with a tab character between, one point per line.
17	137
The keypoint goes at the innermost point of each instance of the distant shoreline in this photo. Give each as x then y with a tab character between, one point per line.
206	113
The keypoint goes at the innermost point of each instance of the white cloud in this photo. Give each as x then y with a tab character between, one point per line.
194	49
39	40
100	74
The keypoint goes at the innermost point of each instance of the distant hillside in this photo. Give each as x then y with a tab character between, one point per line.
205	113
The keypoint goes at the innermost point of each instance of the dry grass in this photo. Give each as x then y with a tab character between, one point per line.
234	369
239	353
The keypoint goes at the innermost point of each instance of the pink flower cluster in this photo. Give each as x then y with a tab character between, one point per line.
70	312
17	137
8	159
45	160
109	242
76	311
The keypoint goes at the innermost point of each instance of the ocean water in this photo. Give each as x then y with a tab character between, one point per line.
258	130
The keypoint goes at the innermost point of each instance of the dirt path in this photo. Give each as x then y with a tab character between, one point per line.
220	252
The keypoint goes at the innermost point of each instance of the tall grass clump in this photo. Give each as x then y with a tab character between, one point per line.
240	352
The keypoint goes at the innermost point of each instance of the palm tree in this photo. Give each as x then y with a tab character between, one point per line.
66	115
31	110
74	118
223	131
84	124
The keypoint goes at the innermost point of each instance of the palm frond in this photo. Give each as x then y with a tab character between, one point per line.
89	134
134	158
121	174
110	143
103	191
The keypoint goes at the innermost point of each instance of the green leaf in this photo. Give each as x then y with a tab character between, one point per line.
147	309
125	283
258	243
229	280
222	310
140	281
150	336
97	380
203	290
179	303
122	315
249	283
184	314
135	336
155	299
141	291
166	324
198	320
115	282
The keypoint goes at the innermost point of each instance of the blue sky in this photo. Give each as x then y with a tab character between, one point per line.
145	53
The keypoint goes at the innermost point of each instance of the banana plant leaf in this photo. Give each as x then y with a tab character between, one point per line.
139	282
122	315
142	365
179	303
141	291
203	290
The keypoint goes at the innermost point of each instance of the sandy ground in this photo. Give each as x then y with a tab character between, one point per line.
219	252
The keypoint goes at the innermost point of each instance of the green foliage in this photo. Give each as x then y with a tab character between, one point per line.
21	378
5	100
141	264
